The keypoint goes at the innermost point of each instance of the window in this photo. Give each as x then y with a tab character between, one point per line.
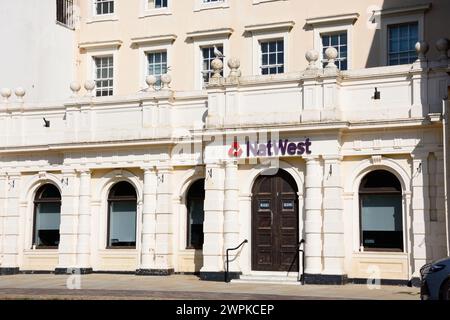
122	208
381	222
157	65
272	57
196	215
104	76
402	39
47	217
339	42
208	56
64	12
104	7
212	1
156	4
210	4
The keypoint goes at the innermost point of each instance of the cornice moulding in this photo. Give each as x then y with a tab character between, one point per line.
285	25
221	32
100	44
335	19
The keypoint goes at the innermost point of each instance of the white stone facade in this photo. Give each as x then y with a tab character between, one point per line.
163	141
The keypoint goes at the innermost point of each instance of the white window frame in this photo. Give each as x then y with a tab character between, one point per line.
91	67
259	37
199	5
318	31
198	57
94	17
144	49
150	12
386	21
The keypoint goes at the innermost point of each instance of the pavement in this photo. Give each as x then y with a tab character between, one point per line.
181	287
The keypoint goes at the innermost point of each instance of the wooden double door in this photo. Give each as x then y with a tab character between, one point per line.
275	219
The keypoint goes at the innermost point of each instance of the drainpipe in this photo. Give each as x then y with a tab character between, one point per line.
445	119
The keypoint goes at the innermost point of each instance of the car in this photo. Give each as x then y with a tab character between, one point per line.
435	280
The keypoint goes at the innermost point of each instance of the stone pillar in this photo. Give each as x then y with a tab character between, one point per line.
333	222
164	229
213	225
231	216
84	223
148	238
440	204
68	227
3	189
420	206
11	222
313	220
245	214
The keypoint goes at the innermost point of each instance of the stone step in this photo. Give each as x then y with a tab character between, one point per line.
268	278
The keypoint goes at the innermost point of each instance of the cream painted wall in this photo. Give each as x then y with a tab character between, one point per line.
128	23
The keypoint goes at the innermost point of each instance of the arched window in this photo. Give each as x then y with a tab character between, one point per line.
380	196
195	214
122	207
47	217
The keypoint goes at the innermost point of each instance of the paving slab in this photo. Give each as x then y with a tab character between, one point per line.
181	287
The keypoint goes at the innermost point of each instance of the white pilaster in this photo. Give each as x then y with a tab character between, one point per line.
333	222
84	221
164	228
420	206
148	239
69	217
231	213
313	221
11	222
3	189
213	224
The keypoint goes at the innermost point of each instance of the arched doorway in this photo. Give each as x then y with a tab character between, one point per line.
275	231
381	217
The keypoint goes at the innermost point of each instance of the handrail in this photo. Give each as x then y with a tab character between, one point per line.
301	278
228	262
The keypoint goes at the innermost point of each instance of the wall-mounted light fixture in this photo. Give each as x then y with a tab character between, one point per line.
46	123
419	168
331	170
376	94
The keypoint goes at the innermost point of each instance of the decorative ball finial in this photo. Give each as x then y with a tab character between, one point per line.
234	64
151	80
6	93
89	86
442	45
312	56
20	93
75	87
166	79
422	48
331	54
217	66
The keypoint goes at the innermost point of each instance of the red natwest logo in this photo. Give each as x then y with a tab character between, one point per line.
235	150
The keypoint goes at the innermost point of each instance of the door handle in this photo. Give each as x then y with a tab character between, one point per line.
271	217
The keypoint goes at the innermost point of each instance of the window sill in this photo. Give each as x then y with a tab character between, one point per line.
120	248
256	2
155	12
64	25
102	18
201	7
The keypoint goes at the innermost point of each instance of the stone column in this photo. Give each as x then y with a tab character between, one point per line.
84	224
440	203
164	229
313	221
420	206
67	248
148	238
231	216
11	222
333	222
213	225
3	189
245	214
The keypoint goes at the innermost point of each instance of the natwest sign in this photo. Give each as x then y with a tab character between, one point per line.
271	148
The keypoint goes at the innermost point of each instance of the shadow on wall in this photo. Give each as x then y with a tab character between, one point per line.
434	19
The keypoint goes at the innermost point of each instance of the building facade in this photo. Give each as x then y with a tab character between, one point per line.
195	125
